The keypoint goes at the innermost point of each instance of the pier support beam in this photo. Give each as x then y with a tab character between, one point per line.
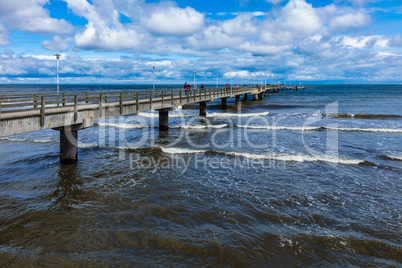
256	96
68	145
245	96
224	104
164	120
237	99
203	108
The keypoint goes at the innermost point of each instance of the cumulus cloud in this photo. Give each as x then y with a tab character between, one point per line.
57	44
104	31
3	36
30	16
348	21
175	21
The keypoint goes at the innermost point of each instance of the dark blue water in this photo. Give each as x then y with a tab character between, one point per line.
301	178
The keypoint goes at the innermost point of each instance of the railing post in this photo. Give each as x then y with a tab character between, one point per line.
35	101
146	94
163	97
172	97
64	99
105	96
137	99
180	96
188	96
121	102
0	107
100	103
156	93
75	107
150	100
42	112
86	97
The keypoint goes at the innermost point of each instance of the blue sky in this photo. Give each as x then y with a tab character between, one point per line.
118	41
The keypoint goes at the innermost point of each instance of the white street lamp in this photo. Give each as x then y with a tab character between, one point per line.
57	57
153	76
194	81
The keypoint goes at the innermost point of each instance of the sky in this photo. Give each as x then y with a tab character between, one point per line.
119	41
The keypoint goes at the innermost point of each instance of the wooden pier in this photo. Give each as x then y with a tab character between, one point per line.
73	111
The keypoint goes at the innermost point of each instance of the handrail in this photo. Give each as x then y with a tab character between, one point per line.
44	102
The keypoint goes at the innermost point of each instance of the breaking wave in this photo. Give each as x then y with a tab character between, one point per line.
237	115
201	126
392	157
364	116
279	157
23	140
124	125
150	115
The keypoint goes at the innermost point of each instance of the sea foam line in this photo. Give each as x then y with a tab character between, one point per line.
237	115
279	157
23	140
201	126
122	125
394	157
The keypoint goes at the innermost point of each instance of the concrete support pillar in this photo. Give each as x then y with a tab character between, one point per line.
245	96
261	95
203	109
224	104
255	96
237	99
68	146
163	120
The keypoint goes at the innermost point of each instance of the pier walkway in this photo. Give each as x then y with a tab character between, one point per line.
73	111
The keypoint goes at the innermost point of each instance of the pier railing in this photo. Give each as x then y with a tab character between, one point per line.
42	103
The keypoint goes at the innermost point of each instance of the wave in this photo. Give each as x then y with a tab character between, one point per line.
24	140
237	115
282	127
150	115
88	145
201	126
364	116
310	128
385	130
392	157
279	157
123	125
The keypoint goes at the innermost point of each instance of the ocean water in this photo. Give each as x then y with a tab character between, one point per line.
301	178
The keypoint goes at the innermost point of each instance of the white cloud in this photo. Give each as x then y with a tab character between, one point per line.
3	36
175	21
57	44
30	16
348	21
104	31
362	42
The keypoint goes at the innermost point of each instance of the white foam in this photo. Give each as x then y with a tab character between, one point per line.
389	130
181	151
88	145
170	115
393	157
22	140
300	128
201	126
124	126
237	115
279	157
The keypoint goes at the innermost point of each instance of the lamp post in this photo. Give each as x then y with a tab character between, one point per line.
57	57
153	76
194	80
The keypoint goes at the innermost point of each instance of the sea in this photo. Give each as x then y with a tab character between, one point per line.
311	177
